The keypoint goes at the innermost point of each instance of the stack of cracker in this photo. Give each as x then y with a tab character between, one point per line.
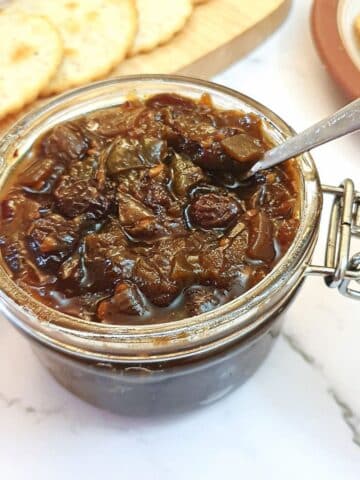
49	47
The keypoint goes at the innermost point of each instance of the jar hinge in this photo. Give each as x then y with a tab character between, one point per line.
340	269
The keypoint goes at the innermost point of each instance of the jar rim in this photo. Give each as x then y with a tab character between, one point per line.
155	341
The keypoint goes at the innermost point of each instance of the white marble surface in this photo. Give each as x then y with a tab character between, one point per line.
297	418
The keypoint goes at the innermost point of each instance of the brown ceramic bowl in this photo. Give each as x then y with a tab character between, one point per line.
332	23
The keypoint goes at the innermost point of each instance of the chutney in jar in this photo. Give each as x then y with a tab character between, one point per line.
139	213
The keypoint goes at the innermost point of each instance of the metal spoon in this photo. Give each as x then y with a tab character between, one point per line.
340	123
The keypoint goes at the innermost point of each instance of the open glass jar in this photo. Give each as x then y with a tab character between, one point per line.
168	367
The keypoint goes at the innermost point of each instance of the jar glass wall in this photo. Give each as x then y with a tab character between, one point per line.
151	361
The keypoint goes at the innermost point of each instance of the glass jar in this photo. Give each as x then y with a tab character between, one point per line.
170	367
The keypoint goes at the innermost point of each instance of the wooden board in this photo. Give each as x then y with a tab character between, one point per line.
218	33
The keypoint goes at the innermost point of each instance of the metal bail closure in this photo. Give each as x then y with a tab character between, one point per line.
340	269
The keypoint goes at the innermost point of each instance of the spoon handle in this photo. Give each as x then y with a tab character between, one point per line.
342	122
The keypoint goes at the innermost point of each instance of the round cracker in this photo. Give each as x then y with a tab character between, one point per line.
30	53
96	33
159	20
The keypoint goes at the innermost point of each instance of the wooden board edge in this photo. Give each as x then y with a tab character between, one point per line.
230	52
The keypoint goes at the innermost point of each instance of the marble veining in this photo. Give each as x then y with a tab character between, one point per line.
350	418
19	403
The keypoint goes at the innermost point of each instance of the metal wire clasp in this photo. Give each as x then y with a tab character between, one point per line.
339	269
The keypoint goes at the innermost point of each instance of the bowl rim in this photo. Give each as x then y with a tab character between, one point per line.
168	340
329	43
